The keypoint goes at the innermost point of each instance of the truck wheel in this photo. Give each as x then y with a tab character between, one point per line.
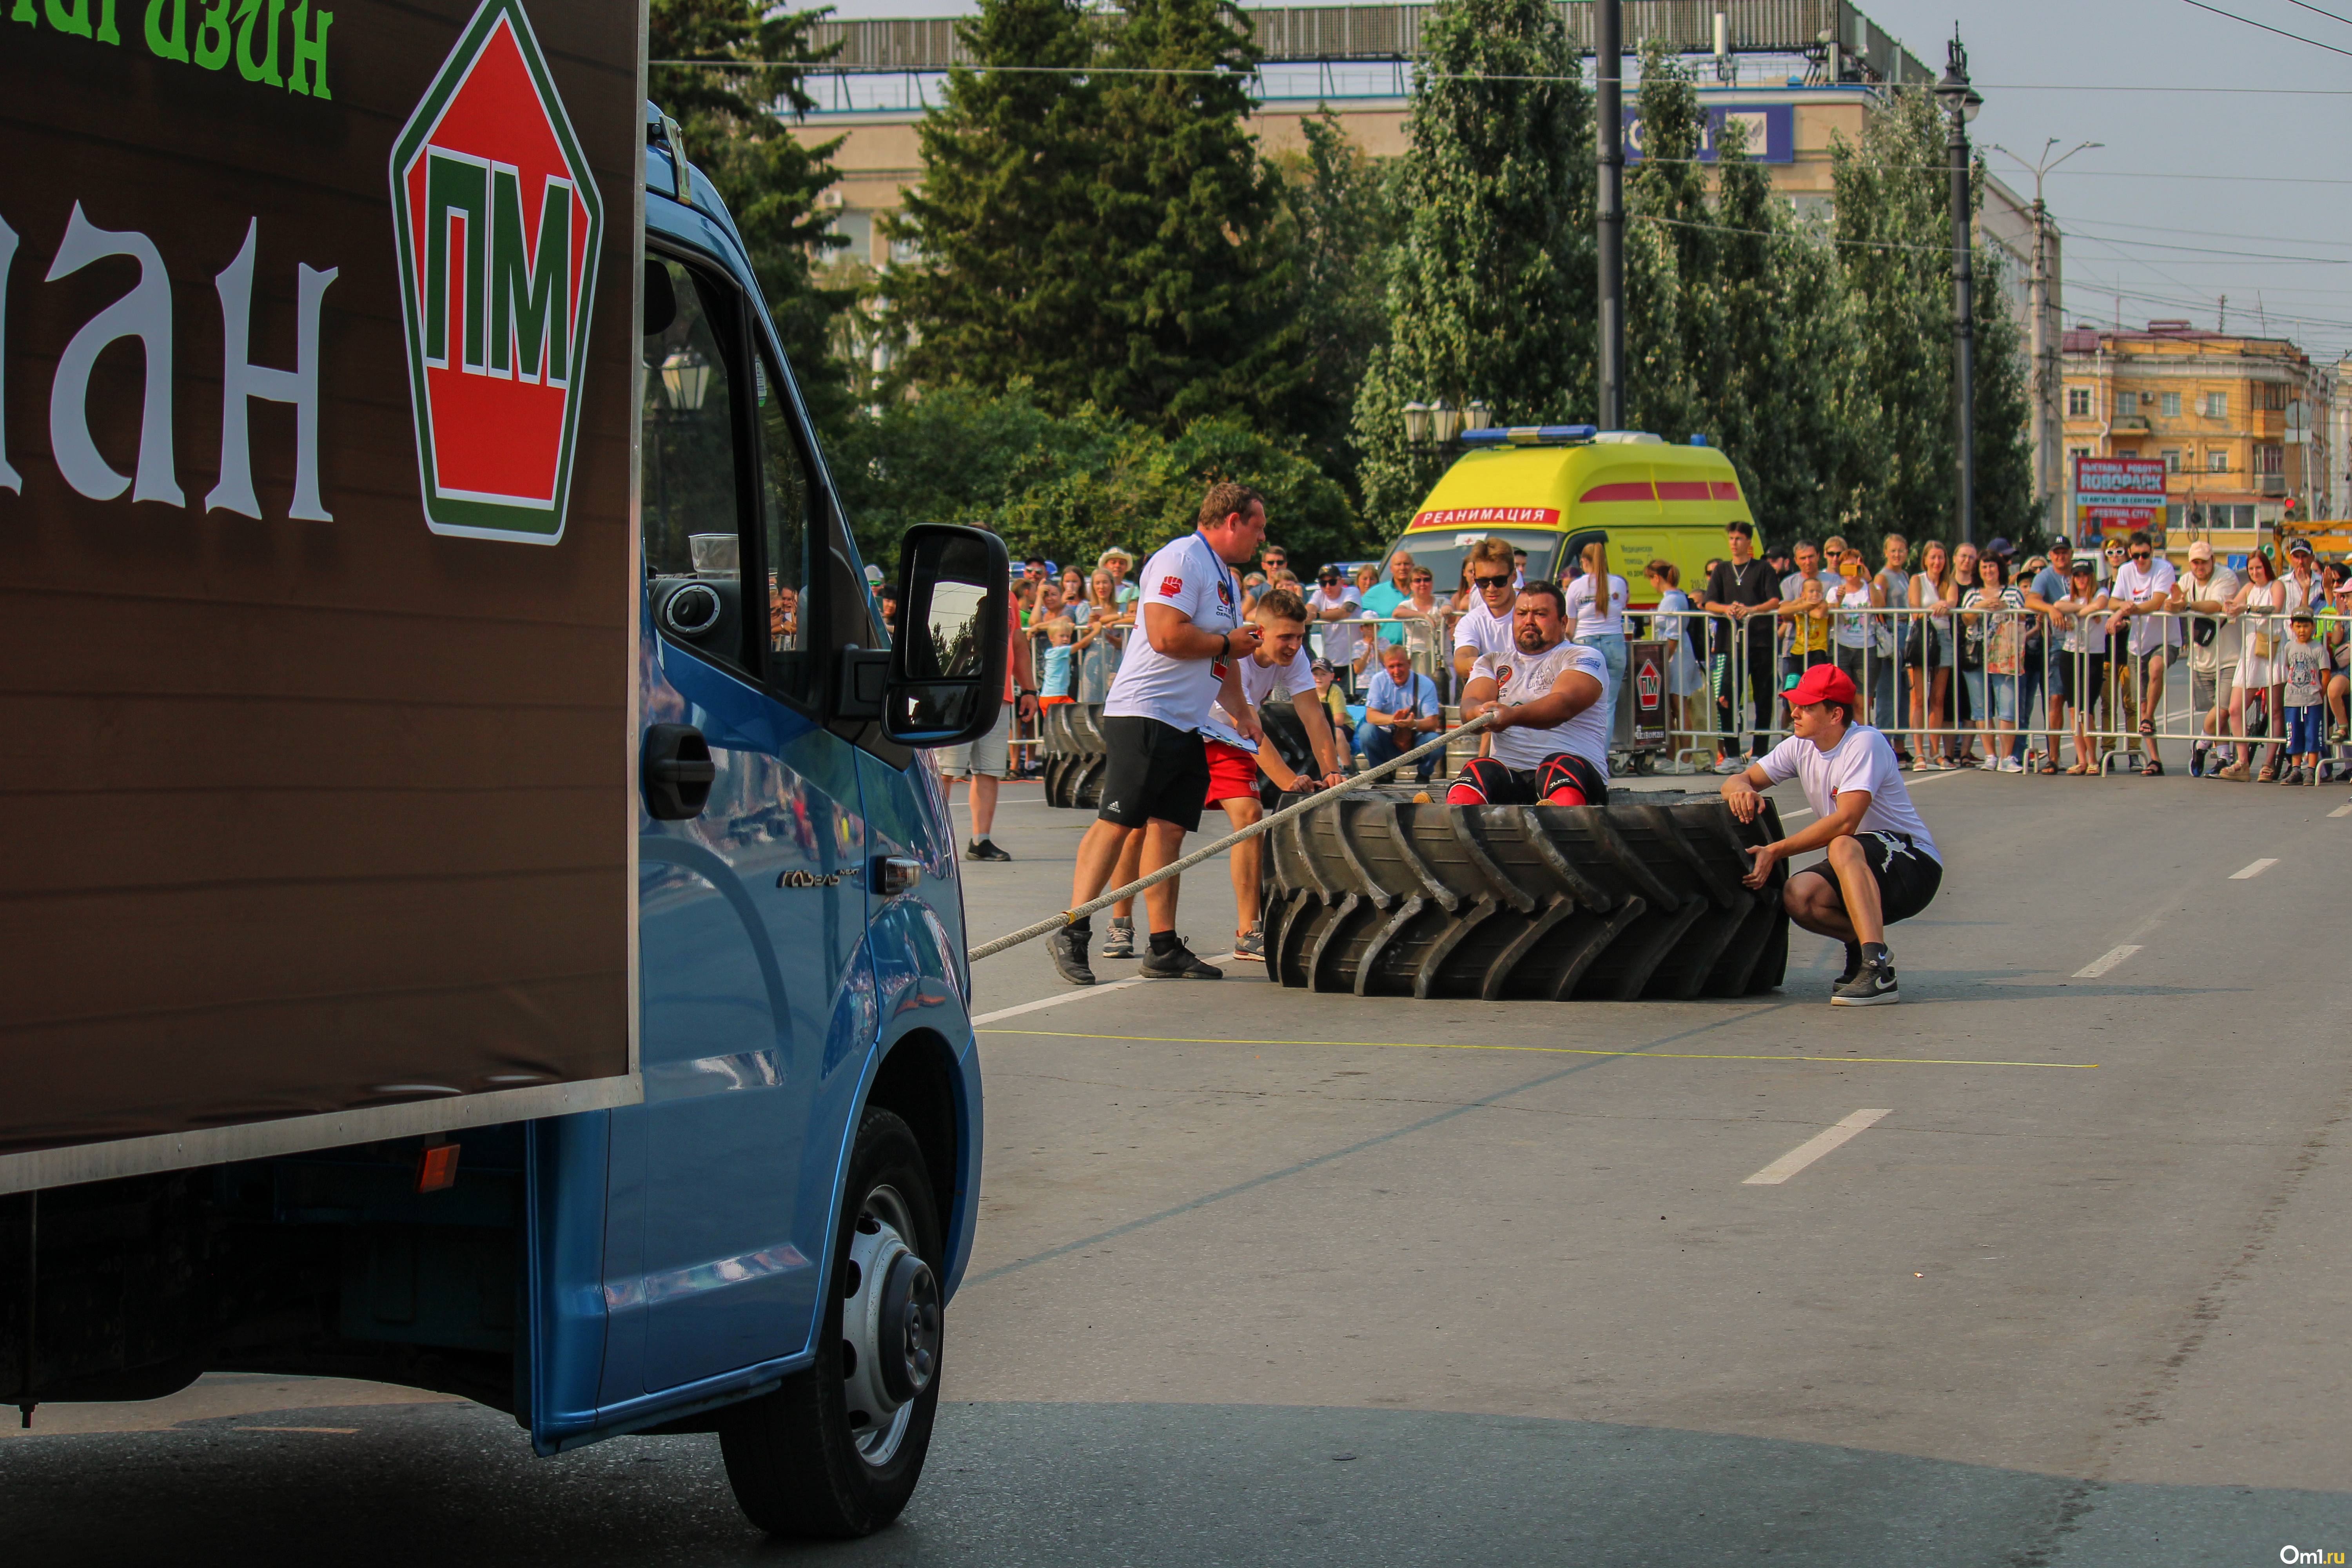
1385	896
837	1451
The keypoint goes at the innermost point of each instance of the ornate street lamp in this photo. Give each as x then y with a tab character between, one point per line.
1960	102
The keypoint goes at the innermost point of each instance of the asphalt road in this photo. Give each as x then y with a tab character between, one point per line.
1264	1277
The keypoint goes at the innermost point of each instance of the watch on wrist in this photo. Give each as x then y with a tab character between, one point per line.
1028	691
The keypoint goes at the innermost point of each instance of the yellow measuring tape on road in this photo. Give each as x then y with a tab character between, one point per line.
1320	797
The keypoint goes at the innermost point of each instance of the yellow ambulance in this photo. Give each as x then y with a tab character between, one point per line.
1551	488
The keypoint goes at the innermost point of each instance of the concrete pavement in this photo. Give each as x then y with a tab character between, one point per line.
1265	1276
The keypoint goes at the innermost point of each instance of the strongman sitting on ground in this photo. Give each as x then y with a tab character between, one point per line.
1551	738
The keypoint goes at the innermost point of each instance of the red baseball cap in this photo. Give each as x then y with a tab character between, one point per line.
1823	683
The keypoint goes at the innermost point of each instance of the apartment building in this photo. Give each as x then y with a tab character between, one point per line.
2239	421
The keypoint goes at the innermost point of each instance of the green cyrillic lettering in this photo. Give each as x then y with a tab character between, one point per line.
454	188
68	16
313	48
211	36
528	298
176	46
263	70
106	33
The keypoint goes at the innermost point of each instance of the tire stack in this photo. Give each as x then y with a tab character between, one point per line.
1075	756
1640	899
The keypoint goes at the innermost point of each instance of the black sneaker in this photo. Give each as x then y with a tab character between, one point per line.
1873	986
984	849
1121	943
1068	949
1178	963
1853	964
2197	763
1251	947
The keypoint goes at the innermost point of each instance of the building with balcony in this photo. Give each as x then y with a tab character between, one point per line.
2240	422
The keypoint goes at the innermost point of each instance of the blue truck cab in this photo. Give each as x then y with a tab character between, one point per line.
761	1236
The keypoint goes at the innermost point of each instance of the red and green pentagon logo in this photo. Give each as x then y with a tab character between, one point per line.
498	221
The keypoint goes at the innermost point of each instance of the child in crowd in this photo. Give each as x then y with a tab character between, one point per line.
1053	683
1809	632
2306	661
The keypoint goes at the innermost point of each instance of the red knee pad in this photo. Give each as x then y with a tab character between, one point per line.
1566	794
1465	793
1479	781
1570	780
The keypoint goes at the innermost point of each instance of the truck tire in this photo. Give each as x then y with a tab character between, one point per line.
1641	898
812	1460
1075	756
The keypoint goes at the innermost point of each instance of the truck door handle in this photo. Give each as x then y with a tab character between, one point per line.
677	772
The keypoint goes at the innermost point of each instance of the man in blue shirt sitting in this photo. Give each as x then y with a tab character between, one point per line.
1400	711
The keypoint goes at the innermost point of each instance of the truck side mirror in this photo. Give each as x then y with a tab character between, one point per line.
946	667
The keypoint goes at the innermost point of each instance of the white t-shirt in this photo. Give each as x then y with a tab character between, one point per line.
1481	630
1861	760
2305	665
1525	677
1583	620
2138	585
1339	640
2220	588
1258	681
1850	629
1187	576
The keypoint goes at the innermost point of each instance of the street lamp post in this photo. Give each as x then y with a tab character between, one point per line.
1961	103
1608	60
2046	478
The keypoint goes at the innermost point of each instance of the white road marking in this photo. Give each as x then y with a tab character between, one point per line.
1078	993
2256	869
2107	961
1812	1148
2342	811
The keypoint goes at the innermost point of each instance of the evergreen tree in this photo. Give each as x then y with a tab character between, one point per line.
1674	338
1010	263
1340	222
1491	292
1196	291
769	180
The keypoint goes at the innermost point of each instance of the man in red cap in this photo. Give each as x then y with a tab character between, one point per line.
1883	864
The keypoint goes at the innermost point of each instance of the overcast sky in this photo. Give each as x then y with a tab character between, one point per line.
2186	169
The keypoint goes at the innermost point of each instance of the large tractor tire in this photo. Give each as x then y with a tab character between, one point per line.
1073	753
1641	898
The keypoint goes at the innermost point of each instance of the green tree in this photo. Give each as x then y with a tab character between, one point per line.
1893	229
1491	292
1186	209
1340	222
1003	225
770	181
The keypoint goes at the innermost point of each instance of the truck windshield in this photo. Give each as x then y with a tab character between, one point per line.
1442	551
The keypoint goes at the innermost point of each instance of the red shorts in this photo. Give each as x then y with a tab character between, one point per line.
1232	773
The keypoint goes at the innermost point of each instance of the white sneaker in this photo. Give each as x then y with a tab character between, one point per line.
1732	766
1987	764
2011	765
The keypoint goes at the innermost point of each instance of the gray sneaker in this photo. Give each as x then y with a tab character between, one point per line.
1852	965
1253	946
1178	963
1121	943
1872	986
1069	953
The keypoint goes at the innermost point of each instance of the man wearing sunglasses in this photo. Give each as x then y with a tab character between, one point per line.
2143	589
1487	629
1334	602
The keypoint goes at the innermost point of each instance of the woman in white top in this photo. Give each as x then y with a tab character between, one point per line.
1685	678
1991	615
2081	668
1931	589
1422	620
1595	612
2261	672
1852	633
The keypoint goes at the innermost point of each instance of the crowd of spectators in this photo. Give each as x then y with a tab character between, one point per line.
1965	657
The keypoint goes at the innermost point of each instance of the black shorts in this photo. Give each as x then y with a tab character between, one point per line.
1155	773
1907	878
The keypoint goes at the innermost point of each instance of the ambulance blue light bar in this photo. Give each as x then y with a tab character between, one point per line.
1531	436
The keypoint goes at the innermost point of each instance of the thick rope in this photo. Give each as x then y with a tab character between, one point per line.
1320	797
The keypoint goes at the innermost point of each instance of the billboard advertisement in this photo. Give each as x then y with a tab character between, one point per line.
1771	132
316	419
2118	496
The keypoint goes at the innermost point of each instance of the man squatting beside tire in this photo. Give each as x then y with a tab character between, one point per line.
1156	780
1883	864
1234	763
1551	736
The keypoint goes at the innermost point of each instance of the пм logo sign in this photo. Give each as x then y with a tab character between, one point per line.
499	222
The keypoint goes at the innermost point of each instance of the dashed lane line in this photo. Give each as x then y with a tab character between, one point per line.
1813	1148
1077	994
2107	961
2256	869
1628	1053
2345	810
